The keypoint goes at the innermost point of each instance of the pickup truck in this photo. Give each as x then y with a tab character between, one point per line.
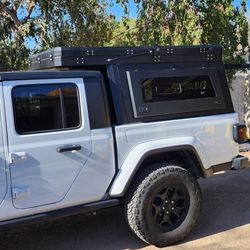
91	128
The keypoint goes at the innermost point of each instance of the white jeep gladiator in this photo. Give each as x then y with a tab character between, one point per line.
91	128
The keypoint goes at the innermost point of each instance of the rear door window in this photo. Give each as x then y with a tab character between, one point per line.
45	107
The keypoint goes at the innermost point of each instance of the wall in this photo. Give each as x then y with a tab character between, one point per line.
238	94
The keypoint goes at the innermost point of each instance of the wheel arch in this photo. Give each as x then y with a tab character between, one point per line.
184	155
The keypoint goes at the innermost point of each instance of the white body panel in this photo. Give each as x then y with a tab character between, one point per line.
45	175
99	170
55	180
210	136
90	185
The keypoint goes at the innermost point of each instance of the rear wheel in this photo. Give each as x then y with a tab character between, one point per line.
163	204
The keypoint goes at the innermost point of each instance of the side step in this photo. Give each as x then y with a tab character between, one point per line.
60	213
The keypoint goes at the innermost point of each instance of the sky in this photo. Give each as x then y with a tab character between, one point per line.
237	2
118	10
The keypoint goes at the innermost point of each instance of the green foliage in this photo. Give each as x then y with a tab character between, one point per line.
88	23
190	22
124	33
72	23
167	23
13	57
230	29
49	24
17	23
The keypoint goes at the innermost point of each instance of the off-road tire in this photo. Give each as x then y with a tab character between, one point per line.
139	206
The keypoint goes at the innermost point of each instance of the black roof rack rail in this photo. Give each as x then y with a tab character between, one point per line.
88	56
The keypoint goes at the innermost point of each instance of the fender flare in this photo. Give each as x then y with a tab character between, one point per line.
144	150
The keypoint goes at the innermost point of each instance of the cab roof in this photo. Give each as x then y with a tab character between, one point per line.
48	74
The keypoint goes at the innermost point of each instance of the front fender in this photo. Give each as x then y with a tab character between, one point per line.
141	151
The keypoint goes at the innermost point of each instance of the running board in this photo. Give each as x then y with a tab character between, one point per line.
60	213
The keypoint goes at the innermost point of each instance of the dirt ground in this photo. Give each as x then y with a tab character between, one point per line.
224	224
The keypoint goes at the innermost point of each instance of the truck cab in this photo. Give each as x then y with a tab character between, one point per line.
88	128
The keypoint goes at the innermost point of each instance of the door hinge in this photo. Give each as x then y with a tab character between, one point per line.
21	191
18	156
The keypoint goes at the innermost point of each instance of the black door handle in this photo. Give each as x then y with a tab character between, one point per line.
76	147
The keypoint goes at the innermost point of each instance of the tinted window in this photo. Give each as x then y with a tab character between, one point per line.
72	118
176	88
45	107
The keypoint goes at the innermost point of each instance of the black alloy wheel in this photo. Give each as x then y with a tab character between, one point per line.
170	207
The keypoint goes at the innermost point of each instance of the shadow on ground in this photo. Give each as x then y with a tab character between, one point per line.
226	205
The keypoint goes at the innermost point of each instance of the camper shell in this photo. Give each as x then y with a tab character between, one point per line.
125	68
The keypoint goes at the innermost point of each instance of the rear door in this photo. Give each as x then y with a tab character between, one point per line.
48	138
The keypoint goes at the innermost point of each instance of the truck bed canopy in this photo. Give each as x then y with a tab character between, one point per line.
152	83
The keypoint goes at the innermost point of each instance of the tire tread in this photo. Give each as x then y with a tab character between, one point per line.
134	210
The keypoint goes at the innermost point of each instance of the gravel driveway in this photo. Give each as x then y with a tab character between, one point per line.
224	224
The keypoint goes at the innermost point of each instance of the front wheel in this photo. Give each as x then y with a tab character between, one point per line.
163	204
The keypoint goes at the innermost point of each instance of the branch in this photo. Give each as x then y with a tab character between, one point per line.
16	5
29	11
12	14
122	33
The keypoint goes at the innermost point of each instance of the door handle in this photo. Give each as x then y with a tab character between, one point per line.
76	147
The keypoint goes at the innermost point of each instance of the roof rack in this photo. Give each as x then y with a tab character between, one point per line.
86	56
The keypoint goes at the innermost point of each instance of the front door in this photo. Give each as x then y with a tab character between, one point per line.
48	138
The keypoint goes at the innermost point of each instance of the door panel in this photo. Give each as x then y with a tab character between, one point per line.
41	173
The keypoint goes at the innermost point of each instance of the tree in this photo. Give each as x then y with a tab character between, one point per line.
87	23
168	23
188	22
81	22
225	25
13	30
48	24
